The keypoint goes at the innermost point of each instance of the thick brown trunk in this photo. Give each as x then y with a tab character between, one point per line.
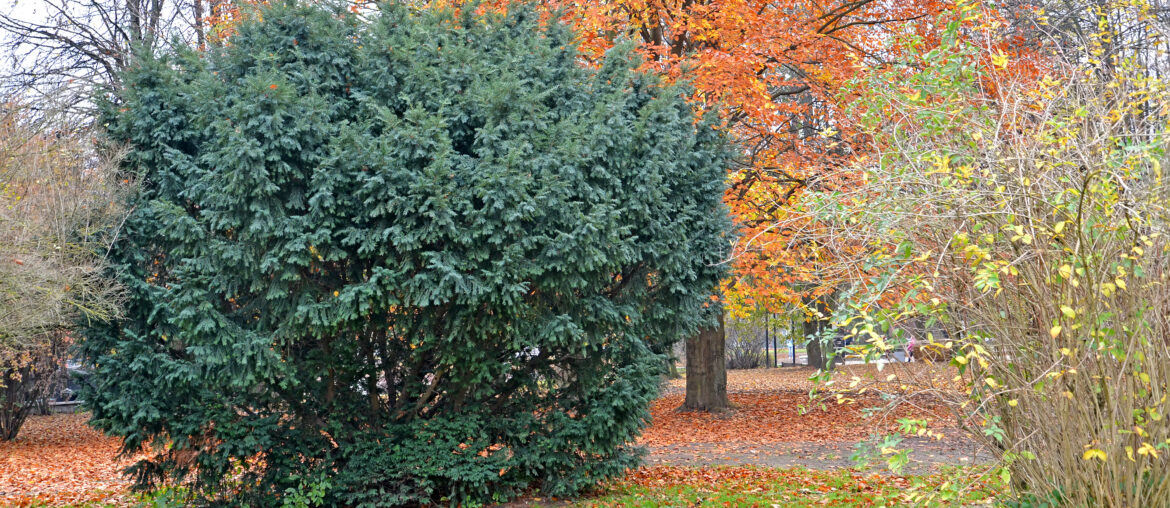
816	353
707	370
814	328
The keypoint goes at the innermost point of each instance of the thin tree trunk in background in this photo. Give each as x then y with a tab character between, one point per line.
707	369
775	345
672	367
767	340
134	7
200	35
152	29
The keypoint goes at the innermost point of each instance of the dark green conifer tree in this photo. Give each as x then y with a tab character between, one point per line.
410	257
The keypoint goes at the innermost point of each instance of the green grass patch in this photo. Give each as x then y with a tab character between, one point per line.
666	486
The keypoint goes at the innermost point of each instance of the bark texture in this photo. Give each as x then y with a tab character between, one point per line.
814	328
707	370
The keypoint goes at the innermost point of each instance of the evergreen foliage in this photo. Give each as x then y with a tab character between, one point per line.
410	257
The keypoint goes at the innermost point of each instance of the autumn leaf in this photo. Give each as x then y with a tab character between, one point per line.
58	460
999	59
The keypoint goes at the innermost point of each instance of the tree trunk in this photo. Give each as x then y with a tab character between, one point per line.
24	387
815	351
707	369
134	7
672	367
814	328
200	35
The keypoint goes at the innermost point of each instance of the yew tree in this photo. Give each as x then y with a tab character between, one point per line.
403	256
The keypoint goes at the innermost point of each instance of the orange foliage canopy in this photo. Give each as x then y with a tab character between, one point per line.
777	69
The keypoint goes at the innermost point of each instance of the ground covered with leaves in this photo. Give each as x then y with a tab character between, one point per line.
775	447
776	423
59	460
775	418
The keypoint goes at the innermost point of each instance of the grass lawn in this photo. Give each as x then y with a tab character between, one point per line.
728	486
663	486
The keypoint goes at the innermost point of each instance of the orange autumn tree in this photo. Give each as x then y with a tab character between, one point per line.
777	71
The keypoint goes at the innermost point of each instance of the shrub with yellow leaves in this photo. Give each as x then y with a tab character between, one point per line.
1035	219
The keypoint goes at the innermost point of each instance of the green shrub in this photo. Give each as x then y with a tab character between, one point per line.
423	255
